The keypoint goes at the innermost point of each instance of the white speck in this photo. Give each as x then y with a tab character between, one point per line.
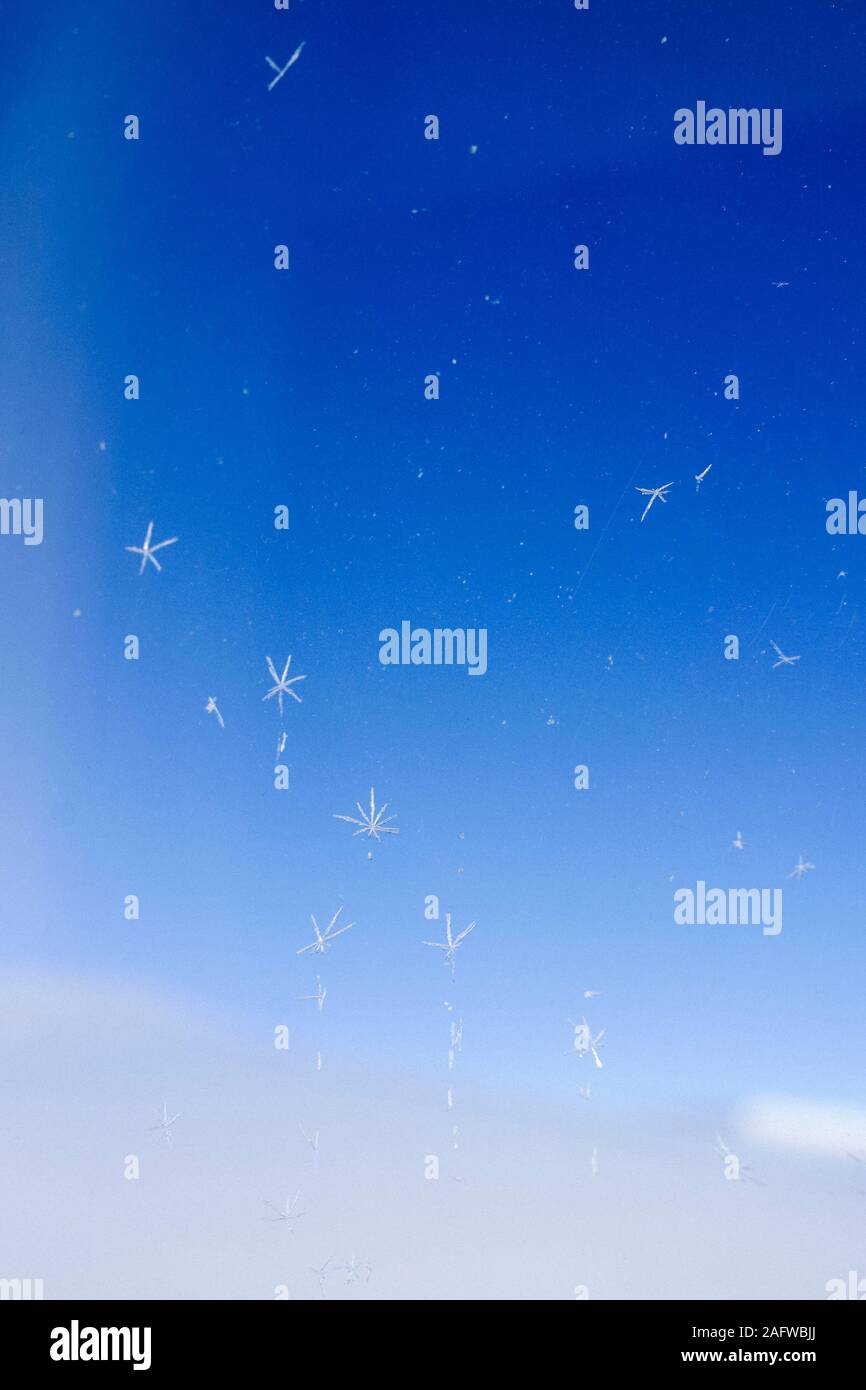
288	1213
319	996
800	868
211	708
148	551
324	938
372	825
281	72
653	493
584	1043
165	1125
281	685
451	943
783	659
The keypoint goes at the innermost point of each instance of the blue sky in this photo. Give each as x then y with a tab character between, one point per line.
557	388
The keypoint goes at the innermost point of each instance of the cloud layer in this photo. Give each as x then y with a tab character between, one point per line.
516	1213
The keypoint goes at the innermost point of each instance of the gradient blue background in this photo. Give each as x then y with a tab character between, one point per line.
306	388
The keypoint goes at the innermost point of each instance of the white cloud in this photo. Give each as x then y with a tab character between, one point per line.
805	1126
